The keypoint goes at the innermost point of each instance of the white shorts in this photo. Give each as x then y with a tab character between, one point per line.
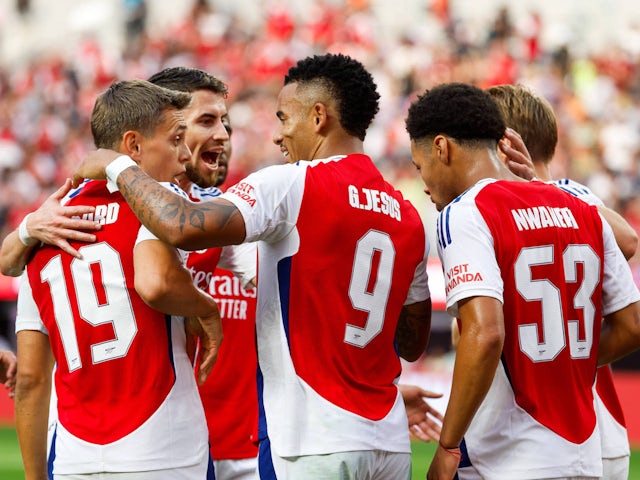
240	469
615	468
196	472
359	465
470	473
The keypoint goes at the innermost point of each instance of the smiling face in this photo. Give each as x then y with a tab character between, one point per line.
296	135
163	154
206	135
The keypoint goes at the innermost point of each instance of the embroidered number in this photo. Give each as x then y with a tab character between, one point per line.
553	318
116	310
369	287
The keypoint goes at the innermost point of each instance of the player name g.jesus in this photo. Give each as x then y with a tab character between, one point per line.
374	200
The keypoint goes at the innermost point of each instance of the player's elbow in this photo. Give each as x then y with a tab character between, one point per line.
635	324
175	237
412	331
489	342
629	244
30	382
494	344
153	289
9	268
411	356
6	269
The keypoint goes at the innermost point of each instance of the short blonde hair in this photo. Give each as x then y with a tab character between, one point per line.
529	115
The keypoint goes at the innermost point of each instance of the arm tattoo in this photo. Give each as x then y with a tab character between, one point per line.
164	212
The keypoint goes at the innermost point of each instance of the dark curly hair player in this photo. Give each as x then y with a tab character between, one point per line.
439	111
329	341
347	81
529	274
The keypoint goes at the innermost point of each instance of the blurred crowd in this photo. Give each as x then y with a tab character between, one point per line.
46	102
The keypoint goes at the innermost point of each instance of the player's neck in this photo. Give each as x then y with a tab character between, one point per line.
481	165
339	145
542	171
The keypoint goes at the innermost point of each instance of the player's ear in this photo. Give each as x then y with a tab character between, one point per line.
320	116
132	144
441	148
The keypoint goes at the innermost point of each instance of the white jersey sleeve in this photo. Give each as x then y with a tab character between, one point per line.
618	287
466	250
269	200
28	315
419	289
241	260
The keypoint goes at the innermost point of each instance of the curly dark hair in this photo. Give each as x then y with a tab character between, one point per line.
458	110
346	80
185	79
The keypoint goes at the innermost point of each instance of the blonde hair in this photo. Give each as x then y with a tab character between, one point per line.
529	115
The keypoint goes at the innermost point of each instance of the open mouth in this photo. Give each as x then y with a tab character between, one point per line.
211	159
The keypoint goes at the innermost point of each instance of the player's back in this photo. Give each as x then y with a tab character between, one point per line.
121	366
539	411
343	275
551	254
360	244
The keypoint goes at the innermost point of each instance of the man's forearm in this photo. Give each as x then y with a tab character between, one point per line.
176	220
33	390
32	410
477	357
475	366
183	298
620	334
412	332
14	255
626	236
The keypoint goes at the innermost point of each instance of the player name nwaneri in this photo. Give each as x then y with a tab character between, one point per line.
534	218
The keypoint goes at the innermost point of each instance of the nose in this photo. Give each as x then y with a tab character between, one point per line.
220	132
185	153
277	138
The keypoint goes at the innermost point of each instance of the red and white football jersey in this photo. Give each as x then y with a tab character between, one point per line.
230	395
126	395
340	253
613	431
554	265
